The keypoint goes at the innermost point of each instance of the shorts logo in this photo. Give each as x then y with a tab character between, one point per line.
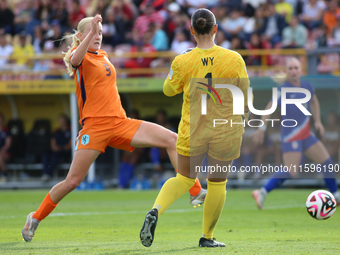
85	139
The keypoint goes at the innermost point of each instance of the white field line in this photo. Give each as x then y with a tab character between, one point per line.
144	212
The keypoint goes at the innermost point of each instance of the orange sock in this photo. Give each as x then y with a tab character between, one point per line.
196	189
46	207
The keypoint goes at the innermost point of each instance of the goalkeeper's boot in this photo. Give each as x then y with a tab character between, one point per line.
147	233
210	243
199	199
30	228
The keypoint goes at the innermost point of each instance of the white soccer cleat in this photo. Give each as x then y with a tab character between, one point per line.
259	198
199	199
30	228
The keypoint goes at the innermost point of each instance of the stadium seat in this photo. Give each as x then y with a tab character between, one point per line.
38	140
18	146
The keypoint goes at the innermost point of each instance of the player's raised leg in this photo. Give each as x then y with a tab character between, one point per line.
80	165
153	135
319	154
289	159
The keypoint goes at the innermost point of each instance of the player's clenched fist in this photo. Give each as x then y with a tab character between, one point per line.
95	23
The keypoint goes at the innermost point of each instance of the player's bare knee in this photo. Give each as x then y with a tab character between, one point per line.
72	184
172	140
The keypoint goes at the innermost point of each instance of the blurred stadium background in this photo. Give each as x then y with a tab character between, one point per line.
142	37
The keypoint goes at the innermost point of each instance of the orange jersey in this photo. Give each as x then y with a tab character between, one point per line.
96	87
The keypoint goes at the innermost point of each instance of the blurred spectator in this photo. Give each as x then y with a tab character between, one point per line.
54	35
76	15
44	9
192	5
169	26
295	35
181	42
38	42
124	13
23	52
254	24
312	12
321	40
24	16
336	31
181	21
60	148
159	40
331	137
330	16
113	33
221	40
61	14
233	25
142	45
157	4
273	26
255	44
101	8
236	44
254	3
149	16
5	51
6	18
285	9
123	9
5	144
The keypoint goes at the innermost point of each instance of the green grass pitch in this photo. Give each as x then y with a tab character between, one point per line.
108	222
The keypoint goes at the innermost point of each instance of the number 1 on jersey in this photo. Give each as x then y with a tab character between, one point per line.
209	77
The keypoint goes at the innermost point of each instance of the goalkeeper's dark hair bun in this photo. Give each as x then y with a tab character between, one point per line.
203	21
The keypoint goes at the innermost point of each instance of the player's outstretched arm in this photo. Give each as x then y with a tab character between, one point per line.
258	136
167	90
315	108
80	52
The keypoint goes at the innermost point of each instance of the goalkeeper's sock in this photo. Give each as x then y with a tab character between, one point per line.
172	189
196	189
213	205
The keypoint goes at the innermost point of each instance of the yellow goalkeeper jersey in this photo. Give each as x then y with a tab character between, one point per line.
195	73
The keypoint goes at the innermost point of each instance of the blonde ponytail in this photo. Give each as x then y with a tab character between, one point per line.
75	42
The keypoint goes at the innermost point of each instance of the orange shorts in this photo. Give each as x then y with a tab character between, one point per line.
98	133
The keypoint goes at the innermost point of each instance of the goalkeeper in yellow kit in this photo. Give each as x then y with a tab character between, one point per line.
196	73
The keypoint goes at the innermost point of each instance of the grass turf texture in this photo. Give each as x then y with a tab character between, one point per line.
108	222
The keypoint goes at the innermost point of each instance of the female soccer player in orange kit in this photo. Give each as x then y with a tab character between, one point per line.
103	119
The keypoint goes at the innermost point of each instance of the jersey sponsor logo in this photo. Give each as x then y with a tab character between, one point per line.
85	139
205	61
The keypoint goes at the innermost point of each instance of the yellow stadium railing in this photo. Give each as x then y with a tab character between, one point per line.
262	69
